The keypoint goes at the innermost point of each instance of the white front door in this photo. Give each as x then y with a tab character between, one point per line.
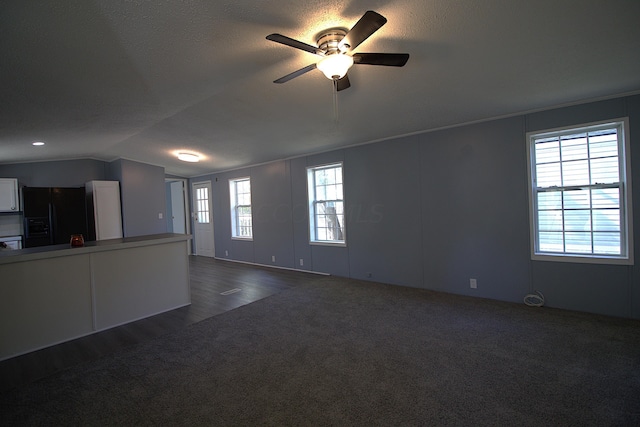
203	219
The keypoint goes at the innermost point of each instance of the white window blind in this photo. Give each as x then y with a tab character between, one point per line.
202	205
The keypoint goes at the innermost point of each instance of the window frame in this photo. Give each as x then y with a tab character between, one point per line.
313	202
234	209
626	256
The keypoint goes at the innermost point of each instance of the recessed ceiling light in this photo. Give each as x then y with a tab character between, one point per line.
189	157
37	143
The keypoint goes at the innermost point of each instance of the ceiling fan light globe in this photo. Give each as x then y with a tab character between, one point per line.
335	66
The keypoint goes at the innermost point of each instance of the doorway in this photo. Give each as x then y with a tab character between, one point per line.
203	219
177	207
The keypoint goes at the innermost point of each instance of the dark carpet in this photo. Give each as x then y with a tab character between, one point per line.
344	352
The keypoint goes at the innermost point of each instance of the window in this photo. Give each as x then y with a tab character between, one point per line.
326	204
240	195
580	194
202	204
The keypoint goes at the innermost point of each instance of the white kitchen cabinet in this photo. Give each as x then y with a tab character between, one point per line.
9	200
104	209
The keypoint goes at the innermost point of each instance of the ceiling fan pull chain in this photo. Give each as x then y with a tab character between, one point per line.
335	101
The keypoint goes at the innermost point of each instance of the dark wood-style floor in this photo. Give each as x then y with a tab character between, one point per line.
216	287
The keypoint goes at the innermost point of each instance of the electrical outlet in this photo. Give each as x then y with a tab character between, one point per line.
226	253
301	261
273	258
473	283
160	215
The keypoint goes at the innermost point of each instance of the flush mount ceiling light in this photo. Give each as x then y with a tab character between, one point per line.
188	157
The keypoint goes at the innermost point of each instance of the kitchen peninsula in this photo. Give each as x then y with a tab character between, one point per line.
57	293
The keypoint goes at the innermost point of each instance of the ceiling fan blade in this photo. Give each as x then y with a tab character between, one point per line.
288	41
295	74
369	23
343	83
390	59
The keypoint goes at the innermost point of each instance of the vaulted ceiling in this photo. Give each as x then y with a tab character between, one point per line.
143	79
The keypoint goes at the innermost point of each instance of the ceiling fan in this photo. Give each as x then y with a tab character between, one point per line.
336	45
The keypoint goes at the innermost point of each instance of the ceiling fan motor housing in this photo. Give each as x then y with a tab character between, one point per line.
329	41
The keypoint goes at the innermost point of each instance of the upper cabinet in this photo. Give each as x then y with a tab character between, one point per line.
9	200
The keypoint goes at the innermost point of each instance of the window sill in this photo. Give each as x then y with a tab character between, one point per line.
246	239
327	243
582	259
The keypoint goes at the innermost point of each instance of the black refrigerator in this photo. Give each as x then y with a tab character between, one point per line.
52	215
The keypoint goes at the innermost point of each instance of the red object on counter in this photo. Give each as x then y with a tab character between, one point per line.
77	240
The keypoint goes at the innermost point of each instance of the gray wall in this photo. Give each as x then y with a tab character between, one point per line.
384	225
142	191
63	173
434	210
475	209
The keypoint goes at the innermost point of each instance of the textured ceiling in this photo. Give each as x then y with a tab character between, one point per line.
142	79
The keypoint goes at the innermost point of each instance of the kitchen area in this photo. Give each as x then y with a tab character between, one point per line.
54	290
43	216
